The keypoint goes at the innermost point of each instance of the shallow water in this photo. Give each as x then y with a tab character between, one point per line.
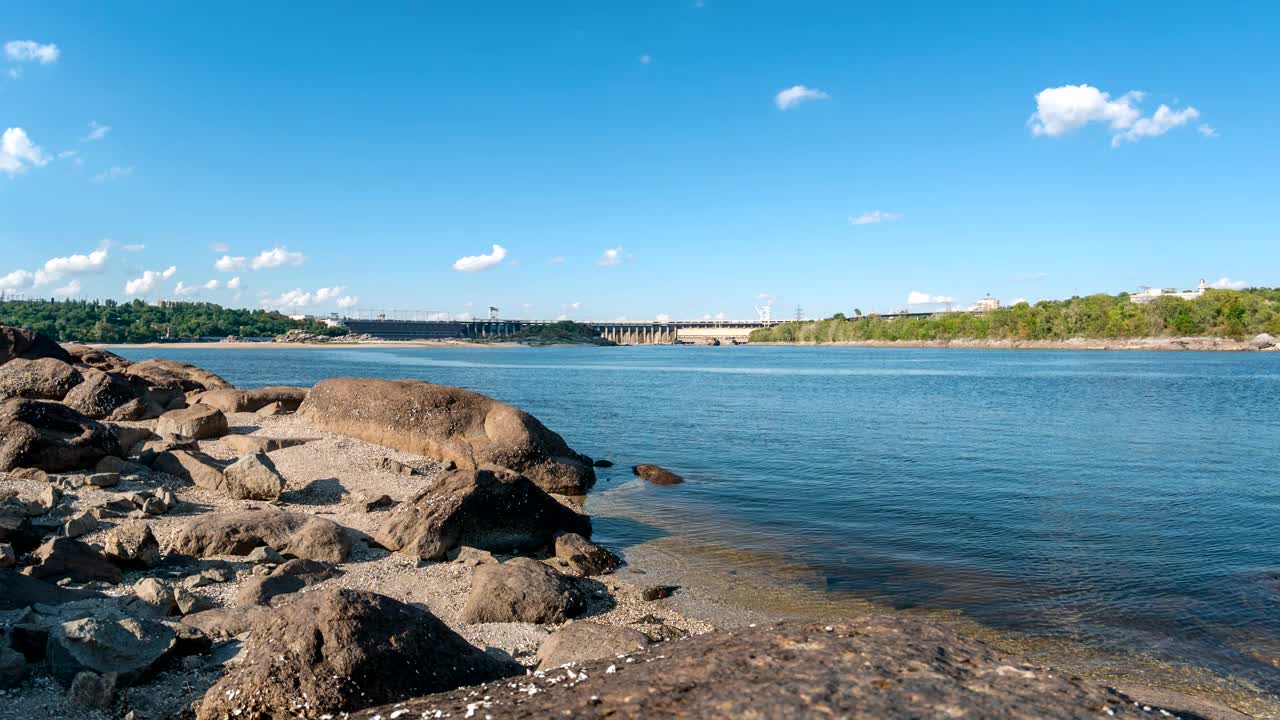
1125	500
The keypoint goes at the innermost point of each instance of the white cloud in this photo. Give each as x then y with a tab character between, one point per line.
65	154
561	317
873	216
1225	283
645	59
97	131
276	257
916	297
219	247
184	289
476	263
226	263
31	51
573	305
1158	124
115	172
211	285
55	268
1061	110
147	281
233	283
17	152
299	298
1018	300
15	280
1207	130
348	301
612	256
793	96
557	260
663	318
136	247
71	289
329	293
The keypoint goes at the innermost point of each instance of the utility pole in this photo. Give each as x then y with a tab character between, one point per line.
799	313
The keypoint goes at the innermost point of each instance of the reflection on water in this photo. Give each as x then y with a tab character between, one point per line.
1112	500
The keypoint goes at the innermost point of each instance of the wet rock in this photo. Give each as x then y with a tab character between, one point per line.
156	596
62	557
132	546
292	576
131	647
878	667
91	690
501	511
173	373
238	533
343	650
233	401
198	422
581	641
658	592
450	425
603	463
253	477
657	475
193	466
28	345
583	557
254	444
51	437
40	379
8	558
520	590
226	623
13	667
79	524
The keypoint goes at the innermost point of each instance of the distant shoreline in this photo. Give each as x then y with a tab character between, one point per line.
1161	344
216	345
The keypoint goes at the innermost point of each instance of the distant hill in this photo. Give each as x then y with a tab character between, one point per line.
106	321
1235	314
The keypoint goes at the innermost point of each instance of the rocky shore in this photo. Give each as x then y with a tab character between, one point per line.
171	546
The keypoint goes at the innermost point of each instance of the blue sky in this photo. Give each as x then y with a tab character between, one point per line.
357	154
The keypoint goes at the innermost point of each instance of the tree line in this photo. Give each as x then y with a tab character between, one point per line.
107	321
1220	313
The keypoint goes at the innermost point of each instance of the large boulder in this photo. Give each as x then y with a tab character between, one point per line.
65	558
496	511
1263	341
450	424
18	591
520	590
226	623
51	437
198	422
877	667
29	345
657	475
238	533
336	651
39	379
253	477
289	577
131	648
96	358
173	373
100	393
581	641
232	401
193	466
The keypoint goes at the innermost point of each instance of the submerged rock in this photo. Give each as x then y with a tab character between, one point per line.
237	533
336	651
520	590
657	475
451	425
501	512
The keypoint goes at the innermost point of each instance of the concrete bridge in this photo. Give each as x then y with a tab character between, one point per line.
654	332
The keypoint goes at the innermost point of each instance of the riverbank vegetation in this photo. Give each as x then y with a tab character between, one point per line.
565	331
106	321
1217	313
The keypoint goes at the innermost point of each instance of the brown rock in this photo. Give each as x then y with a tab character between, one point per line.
342	650
395	466
292	576
22	591
237	533
272	410
120	466
368	502
254	444
8	558
96	358
91	690
232	401
100	394
491	511
51	437
583	557
657	475
193	466
450	425
226	623
28	345
253	477
877	667
173	373
132	546
581	641
197	422
131	648
658	592
129	435
40	379
66	558
520	590
157	596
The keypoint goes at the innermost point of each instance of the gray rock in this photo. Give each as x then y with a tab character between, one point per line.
79	524
103	479
13	668
91	690
226	623
581	641
395	466
237	533
193	466
520	590
132	545
189	602
264	554
1263	341
368	503
292	576
157	596
120	466
49	497
583	557
130	647
253	477
197	422
471	557
254	444
21	592
61	558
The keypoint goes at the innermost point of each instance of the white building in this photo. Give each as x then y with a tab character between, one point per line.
986	304
1148	294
